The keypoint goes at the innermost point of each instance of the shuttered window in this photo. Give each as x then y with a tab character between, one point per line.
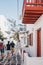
31	39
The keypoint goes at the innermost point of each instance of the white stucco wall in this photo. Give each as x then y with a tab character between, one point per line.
32	61
30	27
23	39
38	24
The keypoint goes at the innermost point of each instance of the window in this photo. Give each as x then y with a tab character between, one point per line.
31	39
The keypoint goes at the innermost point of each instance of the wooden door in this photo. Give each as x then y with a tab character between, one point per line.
39	43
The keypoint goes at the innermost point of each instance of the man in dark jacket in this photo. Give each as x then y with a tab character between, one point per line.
8	48
8	45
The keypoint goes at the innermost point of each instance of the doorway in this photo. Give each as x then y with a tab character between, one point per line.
39	42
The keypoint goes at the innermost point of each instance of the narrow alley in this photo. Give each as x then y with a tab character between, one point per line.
21	32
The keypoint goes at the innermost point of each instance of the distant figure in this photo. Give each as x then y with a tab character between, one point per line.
12	45
8	47
2	48
18	47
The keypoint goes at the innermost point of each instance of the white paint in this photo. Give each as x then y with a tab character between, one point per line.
32	61
39	24
32	29
22	39
4	25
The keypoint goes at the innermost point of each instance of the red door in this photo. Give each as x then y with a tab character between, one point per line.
39	43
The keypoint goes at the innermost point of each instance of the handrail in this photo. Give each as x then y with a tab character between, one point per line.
34	3
31	4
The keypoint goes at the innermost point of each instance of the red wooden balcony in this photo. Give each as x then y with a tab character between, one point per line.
32	10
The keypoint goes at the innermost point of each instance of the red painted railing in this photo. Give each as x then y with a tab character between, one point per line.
32	3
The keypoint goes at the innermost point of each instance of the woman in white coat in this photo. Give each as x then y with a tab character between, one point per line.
18	47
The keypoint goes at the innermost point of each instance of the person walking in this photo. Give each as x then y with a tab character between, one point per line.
12	45
8	48
18	47
2	48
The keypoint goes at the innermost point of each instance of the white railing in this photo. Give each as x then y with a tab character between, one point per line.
30	1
